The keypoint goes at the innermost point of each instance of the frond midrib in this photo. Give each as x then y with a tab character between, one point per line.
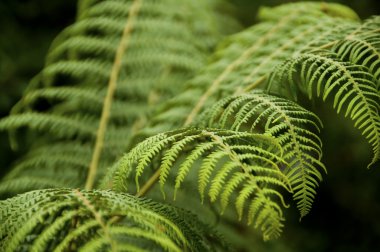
113	79
230	67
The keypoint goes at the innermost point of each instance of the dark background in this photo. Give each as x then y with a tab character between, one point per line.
346	212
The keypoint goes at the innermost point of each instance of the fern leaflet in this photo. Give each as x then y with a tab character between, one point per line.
245	60
69	101
352	86
228	163
292	125
66	219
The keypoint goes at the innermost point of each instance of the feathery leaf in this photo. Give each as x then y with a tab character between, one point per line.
352	86
67	219
230	159
295	128
103	75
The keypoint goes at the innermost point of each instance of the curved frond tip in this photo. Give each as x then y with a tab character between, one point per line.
353	88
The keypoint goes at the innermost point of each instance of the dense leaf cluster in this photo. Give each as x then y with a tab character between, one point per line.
199	120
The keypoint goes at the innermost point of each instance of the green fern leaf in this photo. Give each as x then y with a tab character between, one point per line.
291	124
352	86
362	47
331	9
66	219
229	159
245	60
103	76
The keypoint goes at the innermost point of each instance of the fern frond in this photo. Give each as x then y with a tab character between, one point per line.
295	128
362	47
245	60
352	86
35	170
228	163
105	73
331	9
67	219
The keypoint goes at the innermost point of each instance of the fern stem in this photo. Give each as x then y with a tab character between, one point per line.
97	215
275	54
231	67
251	86
334	42
123	45
81	7
245	169
215	84
149	184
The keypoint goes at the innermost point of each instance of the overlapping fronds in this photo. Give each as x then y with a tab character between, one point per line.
67	219
103	75
198	12
295	128
245	60
362	47
228	164
352	86
106	74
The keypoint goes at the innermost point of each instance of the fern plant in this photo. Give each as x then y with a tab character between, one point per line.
95	91
228	161
295	128
98	221
105	91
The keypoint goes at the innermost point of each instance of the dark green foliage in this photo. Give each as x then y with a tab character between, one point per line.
64	103
133	77
245	60
67	219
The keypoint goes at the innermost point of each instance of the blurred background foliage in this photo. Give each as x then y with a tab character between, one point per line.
346	212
